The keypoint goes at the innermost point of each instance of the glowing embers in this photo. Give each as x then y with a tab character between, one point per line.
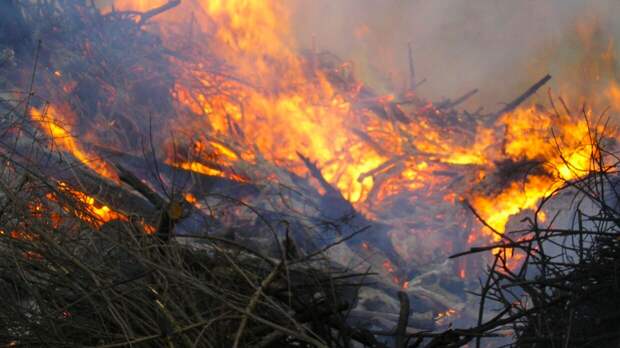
87	208
397	280
442	318
206	157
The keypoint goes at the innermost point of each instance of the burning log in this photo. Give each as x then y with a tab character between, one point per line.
197	183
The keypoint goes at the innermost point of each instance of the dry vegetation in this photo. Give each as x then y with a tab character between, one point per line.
70	278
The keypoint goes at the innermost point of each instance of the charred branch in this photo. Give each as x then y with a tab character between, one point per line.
144	17
520	99
412	80
460	99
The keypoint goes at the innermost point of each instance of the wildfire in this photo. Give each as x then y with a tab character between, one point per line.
272	103
285	105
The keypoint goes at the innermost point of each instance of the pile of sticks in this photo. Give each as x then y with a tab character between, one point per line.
566	291
266	268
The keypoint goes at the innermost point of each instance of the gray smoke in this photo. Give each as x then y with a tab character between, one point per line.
498	46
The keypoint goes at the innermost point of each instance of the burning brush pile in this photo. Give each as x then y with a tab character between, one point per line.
176	174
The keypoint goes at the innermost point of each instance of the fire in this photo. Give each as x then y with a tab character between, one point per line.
282	106
285	105
248	84
563	143
102	213
198	168
442	317
496	210
529	137
54	123
462	273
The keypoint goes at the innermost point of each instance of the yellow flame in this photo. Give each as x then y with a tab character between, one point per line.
563	143
103	213
50	121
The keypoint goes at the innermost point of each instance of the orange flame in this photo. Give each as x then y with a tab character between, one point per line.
283	105
442	317
54	124
276	103
567	155
101	212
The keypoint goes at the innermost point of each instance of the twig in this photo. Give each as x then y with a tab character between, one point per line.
403	319
254	300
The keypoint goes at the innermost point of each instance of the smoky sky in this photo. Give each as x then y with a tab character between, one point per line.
498	46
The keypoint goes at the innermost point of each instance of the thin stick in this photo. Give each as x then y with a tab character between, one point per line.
254	301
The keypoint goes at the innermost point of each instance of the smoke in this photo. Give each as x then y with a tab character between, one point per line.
500	47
